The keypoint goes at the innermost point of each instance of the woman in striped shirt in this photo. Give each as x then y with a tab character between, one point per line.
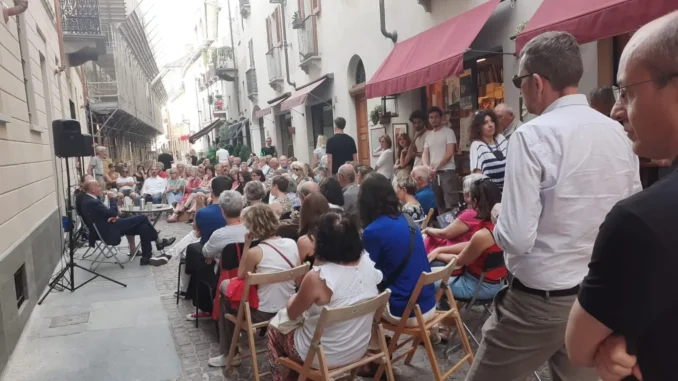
488	148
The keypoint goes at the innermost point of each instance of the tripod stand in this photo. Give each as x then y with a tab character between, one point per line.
68	272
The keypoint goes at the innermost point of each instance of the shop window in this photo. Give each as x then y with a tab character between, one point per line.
20	286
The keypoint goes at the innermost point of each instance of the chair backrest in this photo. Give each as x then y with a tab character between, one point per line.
329	316
254	279
427	220
494	260
229	255
441	274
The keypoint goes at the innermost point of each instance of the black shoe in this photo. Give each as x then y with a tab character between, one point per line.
145	262
163	243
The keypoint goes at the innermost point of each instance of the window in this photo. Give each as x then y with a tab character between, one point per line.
360	73
274	29
20	286
44	71
22	28
251	48
72	106
308	8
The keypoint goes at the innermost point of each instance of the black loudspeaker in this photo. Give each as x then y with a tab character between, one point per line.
69	141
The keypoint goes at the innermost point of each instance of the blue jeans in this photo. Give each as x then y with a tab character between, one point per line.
466	286
174	196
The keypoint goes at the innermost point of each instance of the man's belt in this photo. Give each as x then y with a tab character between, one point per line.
518	285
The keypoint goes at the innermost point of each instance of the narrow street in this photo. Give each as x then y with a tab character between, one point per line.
105	332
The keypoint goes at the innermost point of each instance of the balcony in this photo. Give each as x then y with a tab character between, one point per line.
83	37
244	7
103	95
275	75
224	65
308	44
251	80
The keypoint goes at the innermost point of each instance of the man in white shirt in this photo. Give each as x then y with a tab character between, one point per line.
125	184
508	123
222	155
440	145
154	187
565	170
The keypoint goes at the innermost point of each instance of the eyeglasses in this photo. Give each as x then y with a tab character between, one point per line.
518	80
620	91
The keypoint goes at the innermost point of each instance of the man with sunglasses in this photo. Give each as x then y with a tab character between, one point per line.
565	170
623	322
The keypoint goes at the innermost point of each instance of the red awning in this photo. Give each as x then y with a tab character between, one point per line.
300	96
590	20
430	56
269	109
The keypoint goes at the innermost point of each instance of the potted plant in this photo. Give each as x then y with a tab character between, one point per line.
297	22
375	114
210	99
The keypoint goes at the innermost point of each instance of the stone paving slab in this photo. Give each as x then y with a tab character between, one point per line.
195	345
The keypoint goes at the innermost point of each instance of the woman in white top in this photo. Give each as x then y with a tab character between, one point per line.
272	254
488	147
385	162
320	153
342	275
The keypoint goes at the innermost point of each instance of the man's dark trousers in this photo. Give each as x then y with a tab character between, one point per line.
141	226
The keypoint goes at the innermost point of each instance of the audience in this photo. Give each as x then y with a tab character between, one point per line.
488	147
405	189
385	163
175	187
463	227
421	129
272	254
312	208
193	182
280	195
320	174
405	156
332	191
346	179
424	193
342	276
361	171
387	238
139	177
440	147
507	123
125	184
254	192
299	172
484	196
111	177
160	168
319	153
154	187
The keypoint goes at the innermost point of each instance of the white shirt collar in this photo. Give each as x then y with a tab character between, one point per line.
567	100
93	196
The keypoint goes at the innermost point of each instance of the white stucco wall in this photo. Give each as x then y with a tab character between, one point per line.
349	28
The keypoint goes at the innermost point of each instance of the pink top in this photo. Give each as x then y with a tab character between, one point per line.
468	217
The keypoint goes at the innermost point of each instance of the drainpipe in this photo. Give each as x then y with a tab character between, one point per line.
382	16
19	7
287	60
235	61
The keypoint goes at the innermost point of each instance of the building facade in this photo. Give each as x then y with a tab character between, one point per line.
303	63
36	86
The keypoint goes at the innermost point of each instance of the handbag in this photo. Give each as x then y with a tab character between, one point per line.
282	323
235	289
399	270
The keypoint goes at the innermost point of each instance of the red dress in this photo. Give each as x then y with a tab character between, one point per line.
476	267
191	185
468	217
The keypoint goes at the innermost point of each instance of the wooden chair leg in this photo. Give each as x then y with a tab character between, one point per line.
253	348
234	340
430	353
391	350
413	349
464	337
387	357
322	362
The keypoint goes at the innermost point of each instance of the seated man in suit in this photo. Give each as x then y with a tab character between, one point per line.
112	228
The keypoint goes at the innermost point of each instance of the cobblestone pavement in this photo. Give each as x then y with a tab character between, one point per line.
196	345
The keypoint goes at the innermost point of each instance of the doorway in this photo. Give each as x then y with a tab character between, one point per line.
363	128
286	147
322	120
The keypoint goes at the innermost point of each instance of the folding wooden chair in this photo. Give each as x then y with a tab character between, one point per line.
330	316
427	220
243	322
420	333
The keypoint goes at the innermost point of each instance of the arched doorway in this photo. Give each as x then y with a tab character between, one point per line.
357	78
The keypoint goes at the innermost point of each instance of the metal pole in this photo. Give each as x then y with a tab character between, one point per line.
235	60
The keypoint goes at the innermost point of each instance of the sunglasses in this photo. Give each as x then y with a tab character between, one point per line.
518	80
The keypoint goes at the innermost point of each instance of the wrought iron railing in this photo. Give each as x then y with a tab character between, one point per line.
244	7
308	38
251	80
274	64
80	17
222	58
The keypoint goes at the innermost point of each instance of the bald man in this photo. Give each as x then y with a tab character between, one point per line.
424	193
628	302
508	123
112	228
346	178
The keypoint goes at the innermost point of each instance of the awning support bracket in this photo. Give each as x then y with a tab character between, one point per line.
489	52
